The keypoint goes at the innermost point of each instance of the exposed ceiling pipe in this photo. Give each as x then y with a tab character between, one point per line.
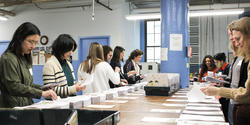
12	3
5	12
98	1
51	8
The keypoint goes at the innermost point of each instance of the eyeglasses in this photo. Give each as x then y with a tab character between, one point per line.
33	42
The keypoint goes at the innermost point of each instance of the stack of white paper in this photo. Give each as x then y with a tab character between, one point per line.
186	117
157	119
174	105
166	110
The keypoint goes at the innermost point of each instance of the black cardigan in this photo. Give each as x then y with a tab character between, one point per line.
129	66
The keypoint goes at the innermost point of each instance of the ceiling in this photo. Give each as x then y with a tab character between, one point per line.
134	4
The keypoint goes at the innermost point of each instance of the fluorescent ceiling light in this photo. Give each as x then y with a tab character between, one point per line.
143	16
3	18
191	14
215	12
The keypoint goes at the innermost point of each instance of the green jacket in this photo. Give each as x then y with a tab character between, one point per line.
16	82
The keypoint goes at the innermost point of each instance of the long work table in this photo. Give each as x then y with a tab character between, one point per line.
137	109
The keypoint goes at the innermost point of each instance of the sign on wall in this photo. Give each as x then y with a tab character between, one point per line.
175	42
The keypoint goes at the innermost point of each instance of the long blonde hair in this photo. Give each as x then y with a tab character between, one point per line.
231	46
94	57
243	26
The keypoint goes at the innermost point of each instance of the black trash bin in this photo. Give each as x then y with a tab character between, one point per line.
98	117
20	117
58	117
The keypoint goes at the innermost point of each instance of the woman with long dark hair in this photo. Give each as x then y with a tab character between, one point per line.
116	60
16	83
207	65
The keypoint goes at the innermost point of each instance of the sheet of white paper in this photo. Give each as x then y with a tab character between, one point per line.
100	106
203	104
174	105
166	110
195	94
177	100
175	42
202	108
127	98
179	122
164	54
117	101
203	112
157	119
201	118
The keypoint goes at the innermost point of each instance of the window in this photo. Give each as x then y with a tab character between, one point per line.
153	41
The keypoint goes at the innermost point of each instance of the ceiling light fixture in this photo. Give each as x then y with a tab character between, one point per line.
192	13
143	16
215	12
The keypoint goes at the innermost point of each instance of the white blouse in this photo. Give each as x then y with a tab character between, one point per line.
98	80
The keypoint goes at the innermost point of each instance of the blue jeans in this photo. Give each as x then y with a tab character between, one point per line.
230	113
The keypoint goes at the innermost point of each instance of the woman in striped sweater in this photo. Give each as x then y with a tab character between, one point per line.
58	71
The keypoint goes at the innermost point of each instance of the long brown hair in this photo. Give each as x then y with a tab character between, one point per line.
94	57
243	26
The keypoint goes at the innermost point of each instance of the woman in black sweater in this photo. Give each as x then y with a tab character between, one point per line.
132	65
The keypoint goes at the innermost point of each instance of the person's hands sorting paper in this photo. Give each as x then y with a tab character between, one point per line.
79	87
49	94
210	90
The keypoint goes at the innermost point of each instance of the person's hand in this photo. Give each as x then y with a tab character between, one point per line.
79	87
124	80
141	77
213	84
217	97
123	84
82	79
220	78
49	94
210	90
117	69
131	73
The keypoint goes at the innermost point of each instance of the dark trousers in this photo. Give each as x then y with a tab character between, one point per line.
224	105
241	114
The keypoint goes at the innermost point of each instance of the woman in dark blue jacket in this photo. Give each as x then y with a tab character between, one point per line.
132	65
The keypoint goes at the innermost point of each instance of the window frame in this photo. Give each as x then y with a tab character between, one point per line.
145	37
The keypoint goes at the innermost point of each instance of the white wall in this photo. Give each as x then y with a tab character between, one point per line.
78	23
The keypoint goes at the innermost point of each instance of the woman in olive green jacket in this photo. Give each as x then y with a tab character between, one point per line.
16	81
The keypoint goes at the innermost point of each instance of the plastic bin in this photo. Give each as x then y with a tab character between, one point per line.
97	117
157	91
20	117
58	117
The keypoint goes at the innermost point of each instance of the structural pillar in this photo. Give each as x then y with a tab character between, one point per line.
175	39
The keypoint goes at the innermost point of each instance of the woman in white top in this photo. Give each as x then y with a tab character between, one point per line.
96	71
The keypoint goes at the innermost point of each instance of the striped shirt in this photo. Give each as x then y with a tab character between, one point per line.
53	74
